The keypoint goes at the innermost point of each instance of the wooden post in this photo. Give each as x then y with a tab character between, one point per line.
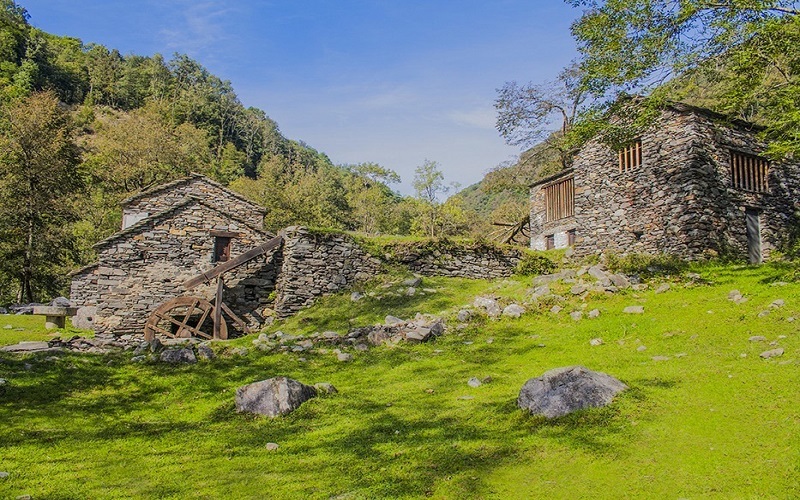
218	307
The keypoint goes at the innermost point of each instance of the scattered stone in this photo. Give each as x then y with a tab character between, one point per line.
464	315
772	353
329	335
139	359
361	347
429	391
513	311
466	398
620	281
3	474
178	356
576	315
660	358
156	345
763	313
663	287
271	446
641	348
597	341
556	309
393	321
489	305
344	357
680	355
240	351
562	391
27	346
474	382
205	352
273	397
8	327
594	313
490	340
777	303
356	296
410	291
413	282
325	388
736	297
578	289
757	338
634	310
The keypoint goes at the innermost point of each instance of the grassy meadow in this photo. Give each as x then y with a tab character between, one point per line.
705	416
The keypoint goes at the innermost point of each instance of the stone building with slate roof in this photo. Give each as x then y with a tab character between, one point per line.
170	234
693	185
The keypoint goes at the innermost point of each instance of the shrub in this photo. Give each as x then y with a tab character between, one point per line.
534	264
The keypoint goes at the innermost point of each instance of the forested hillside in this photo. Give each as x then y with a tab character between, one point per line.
82	127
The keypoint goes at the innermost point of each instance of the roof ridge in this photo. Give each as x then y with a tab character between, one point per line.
184	180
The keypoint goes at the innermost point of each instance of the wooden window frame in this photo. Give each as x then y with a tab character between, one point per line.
549	242
571	234
222	249
749	172
559	199
630	156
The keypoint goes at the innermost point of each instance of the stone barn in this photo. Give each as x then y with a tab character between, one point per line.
180	230
693	185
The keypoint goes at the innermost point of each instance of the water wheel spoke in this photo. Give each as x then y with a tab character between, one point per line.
174	318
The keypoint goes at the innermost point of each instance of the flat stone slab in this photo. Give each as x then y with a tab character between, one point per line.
562	391
30	346
55	311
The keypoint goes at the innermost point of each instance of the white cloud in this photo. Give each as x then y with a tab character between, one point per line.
202	26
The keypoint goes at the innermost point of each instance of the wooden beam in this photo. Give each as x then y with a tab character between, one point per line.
224	267
218	307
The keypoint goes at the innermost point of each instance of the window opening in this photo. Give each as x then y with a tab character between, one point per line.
749	172
559	200
222	248
571	237
630	157
549	242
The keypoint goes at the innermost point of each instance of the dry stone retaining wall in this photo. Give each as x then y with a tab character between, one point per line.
475	261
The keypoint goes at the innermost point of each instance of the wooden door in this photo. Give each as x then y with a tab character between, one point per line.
753	235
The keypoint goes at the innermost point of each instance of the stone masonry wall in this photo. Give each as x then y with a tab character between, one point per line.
83	288
139	271
167	196
474	261
318	264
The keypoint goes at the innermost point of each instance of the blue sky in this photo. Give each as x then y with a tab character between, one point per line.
391	81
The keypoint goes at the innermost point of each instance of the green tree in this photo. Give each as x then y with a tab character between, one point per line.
39	176
429	185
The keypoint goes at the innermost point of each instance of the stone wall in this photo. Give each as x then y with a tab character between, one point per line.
316	264
468	260
679	201
146	265
83	288
168	195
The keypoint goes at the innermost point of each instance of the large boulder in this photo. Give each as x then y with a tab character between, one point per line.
178	356
564	390
273	397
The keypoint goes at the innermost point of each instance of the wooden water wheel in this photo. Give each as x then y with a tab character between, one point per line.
185	317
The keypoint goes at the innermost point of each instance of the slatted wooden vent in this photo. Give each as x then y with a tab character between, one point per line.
749	172
630	156
559	200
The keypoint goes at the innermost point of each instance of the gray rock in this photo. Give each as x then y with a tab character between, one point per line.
344	357
411	291
474	382
330	335
413	282
562	391
463	316
61	302
488	305
240	351
757	338
205	352
620	281
325	388
272	446
3	474
772	353
8	327
27	346
594	313
777	303
178	356
393	321
660	358
641	348
663	287
139	359
273	397
156	345
763	313
596	342
556	309
513	311
576	315
356	296
634	310
578	289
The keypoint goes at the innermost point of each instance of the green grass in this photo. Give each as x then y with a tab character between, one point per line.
30	327
717	422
